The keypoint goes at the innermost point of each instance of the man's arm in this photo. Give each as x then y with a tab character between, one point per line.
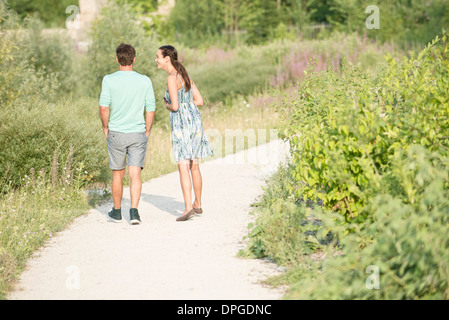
105	102
150	107
149	119
104	116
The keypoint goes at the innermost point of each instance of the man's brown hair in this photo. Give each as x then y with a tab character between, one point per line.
125	54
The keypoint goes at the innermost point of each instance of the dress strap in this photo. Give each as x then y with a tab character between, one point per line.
178	78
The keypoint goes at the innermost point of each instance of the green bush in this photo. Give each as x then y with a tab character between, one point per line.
52	53
52	12
407	242
372	151
228	79
286	229
33	134
36	119
19	79
36	62
345	130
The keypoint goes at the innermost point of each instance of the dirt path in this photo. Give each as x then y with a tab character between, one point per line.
162	258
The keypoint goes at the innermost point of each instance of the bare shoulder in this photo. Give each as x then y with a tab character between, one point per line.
171	77
171	80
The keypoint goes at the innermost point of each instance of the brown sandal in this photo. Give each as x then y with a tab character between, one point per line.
198	210
187	216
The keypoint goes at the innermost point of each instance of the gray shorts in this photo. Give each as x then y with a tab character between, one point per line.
126	145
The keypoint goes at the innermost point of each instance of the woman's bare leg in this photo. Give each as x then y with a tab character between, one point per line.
197	182
186	184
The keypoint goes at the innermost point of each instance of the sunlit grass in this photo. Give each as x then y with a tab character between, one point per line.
253	114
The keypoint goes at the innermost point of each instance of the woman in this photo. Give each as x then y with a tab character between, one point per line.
188	139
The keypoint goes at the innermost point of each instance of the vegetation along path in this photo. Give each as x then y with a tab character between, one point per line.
162	258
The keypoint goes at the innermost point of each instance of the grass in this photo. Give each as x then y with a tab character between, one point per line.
32	215
253	113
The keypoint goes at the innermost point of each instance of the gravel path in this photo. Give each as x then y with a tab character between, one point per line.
162	258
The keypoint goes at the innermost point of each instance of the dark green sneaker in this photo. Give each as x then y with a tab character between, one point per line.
134	216
115	215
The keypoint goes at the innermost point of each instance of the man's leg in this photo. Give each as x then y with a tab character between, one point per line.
136	162
117	187
135	185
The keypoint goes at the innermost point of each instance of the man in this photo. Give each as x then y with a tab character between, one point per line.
127	108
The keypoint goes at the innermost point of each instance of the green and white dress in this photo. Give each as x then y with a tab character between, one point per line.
187	134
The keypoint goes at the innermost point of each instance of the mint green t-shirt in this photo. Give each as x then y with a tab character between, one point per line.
128	95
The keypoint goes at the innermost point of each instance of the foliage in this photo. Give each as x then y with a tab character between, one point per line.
141	6
52	54
34	115
52	12
403	21
344	131
286	229
407	242
242	21
196	20
231	21
382	143
33	134
18	76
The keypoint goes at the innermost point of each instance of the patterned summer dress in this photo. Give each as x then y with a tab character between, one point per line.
187	134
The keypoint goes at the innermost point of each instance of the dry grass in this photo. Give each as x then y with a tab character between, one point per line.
255	113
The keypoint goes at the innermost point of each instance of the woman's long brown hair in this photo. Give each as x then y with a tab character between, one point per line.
171	52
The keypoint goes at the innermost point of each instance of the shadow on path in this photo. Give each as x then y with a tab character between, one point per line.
163	203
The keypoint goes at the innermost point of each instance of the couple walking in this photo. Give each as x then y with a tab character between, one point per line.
127	109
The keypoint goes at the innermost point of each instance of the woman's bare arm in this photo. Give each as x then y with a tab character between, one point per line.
197	98
172	84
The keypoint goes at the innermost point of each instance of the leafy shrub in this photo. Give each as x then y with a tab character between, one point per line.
286	230
19	79
374	148
35	62
52	53
49	11
35	119
345	130
31	136
407	242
